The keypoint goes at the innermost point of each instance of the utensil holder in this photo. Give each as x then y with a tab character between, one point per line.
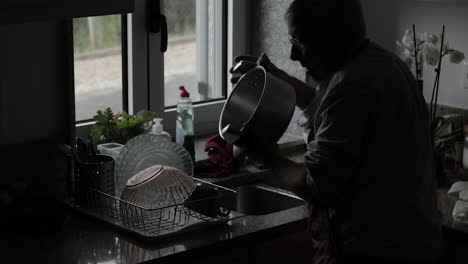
96	173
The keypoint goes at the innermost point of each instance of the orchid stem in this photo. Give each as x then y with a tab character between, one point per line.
433	108
438	70
416	52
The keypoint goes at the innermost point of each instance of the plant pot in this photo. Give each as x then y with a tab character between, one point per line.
421	85
439	161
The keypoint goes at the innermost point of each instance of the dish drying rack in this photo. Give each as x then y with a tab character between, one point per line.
161	222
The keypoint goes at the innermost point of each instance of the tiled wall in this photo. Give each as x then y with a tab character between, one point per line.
270	35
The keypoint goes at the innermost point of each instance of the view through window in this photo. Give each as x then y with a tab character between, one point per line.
98	65
194	57
180	59
194	35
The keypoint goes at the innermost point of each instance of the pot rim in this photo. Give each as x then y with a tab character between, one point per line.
258	67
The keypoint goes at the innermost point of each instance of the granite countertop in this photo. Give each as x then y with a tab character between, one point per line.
86	240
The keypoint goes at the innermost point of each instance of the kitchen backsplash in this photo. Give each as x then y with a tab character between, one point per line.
270	35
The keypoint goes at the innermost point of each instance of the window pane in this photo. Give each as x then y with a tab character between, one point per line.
98	64
190	56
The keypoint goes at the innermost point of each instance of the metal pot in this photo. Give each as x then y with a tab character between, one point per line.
258	110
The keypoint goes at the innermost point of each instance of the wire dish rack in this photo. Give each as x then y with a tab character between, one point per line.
207	206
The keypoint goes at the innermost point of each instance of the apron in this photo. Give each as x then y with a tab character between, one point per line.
322	226
321	229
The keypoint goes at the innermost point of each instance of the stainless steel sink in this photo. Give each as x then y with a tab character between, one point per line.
260	199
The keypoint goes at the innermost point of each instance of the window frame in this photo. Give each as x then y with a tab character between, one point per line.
146	72
207	112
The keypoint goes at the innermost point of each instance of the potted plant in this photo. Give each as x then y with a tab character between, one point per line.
121	127
430	50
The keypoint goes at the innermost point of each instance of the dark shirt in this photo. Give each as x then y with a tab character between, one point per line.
370	160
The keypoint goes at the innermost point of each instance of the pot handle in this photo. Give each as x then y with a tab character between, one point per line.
244	66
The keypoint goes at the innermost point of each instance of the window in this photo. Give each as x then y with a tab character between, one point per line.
143	77
196	49
98	65
195	57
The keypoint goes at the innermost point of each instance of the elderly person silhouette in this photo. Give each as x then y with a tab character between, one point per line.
368	173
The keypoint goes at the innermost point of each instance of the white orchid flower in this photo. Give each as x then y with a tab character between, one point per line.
407	43
408	39
432	55
409	62
431	38
409	50
421	59
456	56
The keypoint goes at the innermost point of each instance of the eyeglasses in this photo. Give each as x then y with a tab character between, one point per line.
294	41
297	44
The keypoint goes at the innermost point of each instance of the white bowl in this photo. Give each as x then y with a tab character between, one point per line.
158	186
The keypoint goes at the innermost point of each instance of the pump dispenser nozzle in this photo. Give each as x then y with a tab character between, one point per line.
157	129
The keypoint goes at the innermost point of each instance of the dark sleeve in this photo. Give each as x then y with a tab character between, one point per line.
308	113
333	155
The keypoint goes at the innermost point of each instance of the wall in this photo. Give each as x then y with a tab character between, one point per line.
270	35
33	82
35	109
387	21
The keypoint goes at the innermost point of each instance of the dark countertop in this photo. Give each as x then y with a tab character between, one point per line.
85	240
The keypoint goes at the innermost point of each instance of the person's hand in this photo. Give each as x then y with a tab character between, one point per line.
265	154
263	61
283	173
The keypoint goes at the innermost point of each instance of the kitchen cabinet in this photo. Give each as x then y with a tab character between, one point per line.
22	11
456	245
443	1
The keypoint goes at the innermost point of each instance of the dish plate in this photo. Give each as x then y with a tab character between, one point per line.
147	150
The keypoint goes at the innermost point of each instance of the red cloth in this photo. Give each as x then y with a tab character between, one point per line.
221	160
322	234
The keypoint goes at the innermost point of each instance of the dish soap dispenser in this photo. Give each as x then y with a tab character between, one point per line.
184	123
157	129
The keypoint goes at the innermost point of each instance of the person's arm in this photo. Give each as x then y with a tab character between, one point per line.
304	92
